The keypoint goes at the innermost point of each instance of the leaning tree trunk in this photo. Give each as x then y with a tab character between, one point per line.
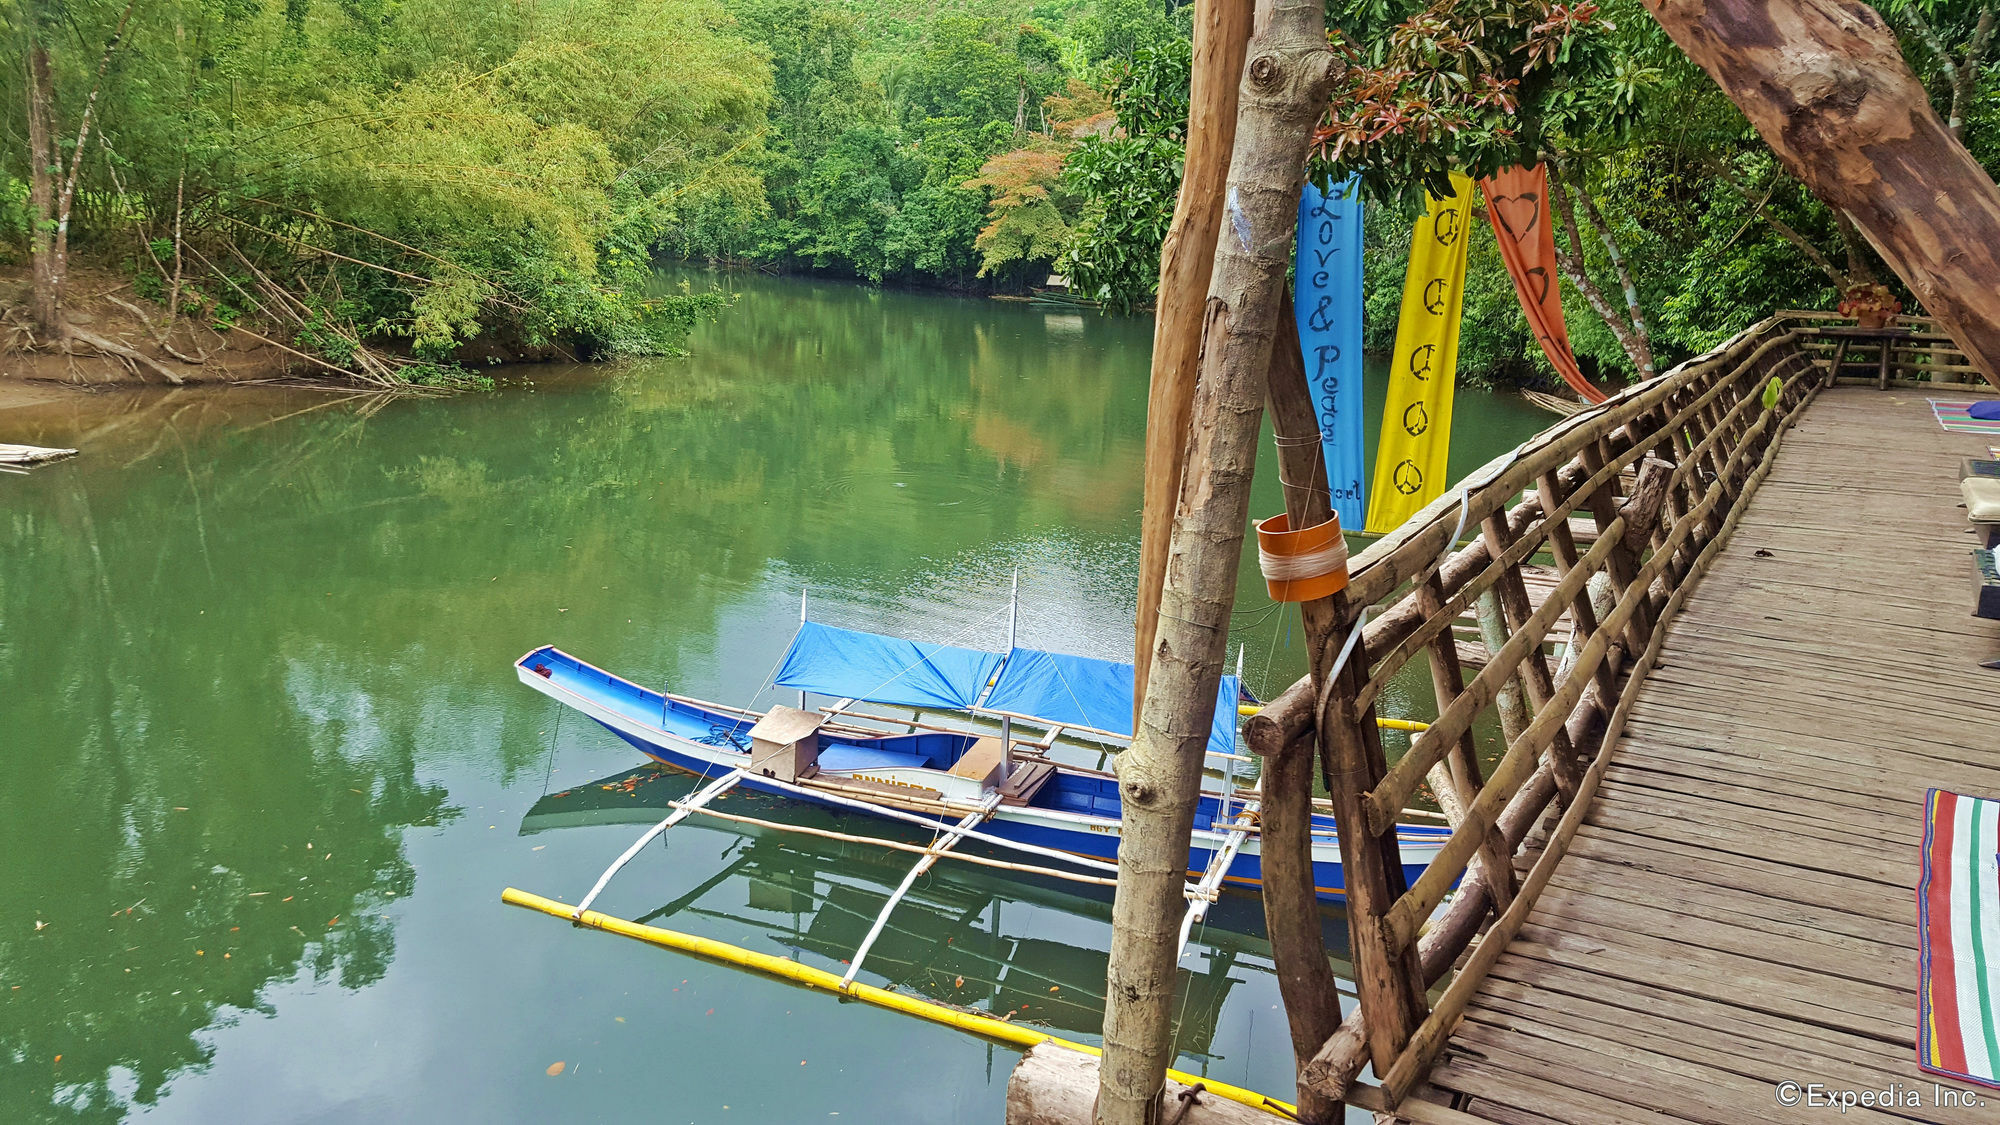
1221	33
46	304
1827	88
1284	92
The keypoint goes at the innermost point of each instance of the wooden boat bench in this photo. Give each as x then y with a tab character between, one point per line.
985	763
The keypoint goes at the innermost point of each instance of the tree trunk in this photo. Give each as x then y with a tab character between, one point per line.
1571	263
1965	84
47	301
1221	31
68	196
1284	91
1859	271
1826	86
1634	310
1291	898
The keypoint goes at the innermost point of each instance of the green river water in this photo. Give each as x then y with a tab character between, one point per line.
267	767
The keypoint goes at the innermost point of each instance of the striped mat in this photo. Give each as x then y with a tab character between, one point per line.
1958	912
1951	414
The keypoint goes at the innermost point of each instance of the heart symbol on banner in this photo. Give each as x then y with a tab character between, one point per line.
1538	276
1518	214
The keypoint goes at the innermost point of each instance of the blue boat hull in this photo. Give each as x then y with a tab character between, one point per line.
1073	811
1246	870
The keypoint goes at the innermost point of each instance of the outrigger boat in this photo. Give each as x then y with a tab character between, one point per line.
999	790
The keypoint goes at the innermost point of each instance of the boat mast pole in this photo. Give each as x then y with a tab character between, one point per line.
1007	724
1229	763
802	621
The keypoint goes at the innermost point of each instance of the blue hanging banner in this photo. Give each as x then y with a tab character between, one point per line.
1327	303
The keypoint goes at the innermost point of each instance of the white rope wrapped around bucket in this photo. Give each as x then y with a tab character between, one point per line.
1330	559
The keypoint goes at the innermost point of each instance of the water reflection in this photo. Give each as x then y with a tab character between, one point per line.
246	621
150	884
961	937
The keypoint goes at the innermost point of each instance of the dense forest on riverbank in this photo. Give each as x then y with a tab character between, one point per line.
400	188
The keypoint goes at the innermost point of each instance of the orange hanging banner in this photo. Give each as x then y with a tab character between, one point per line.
1517	205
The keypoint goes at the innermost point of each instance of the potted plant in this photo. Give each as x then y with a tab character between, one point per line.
1870	304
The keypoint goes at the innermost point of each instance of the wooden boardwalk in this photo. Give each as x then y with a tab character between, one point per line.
1738	909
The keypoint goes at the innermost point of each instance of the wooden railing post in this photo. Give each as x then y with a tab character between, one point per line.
1562	547
1535	669
1698	441
1388	975
1495	866
1621	563
1306	981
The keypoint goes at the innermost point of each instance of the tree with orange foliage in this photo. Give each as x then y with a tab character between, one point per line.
1025	225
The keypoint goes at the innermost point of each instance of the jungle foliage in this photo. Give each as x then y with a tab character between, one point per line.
1677	226
380	182
392	187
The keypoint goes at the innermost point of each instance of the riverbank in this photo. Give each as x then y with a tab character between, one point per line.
100	304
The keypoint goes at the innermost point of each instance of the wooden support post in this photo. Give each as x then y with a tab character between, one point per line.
1509	702
1187	257
1291	899
1284	91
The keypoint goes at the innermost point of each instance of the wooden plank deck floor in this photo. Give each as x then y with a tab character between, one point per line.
1739	910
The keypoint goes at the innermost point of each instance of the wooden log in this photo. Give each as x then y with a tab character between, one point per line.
1306	981
1285	86
1054	1085
1642	509
1187	257
1825	84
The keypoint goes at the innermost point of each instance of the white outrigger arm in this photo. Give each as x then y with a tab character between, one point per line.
943	844
1205	891
708	793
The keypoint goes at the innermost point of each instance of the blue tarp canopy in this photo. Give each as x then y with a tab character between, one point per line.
1081	691
849	664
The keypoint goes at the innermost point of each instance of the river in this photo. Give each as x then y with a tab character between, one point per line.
268	768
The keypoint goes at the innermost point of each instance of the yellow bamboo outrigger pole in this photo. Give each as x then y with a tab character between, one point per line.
1411	725
784	968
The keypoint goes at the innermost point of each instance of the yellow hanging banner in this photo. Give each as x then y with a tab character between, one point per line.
1416	419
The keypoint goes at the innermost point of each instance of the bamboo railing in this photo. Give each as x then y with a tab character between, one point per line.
1926	356
1663	470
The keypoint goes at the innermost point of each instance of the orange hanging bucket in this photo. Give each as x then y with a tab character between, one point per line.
1304	565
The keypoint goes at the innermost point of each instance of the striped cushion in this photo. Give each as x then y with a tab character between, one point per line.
1958	911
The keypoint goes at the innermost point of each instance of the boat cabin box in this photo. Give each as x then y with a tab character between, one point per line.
785	743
